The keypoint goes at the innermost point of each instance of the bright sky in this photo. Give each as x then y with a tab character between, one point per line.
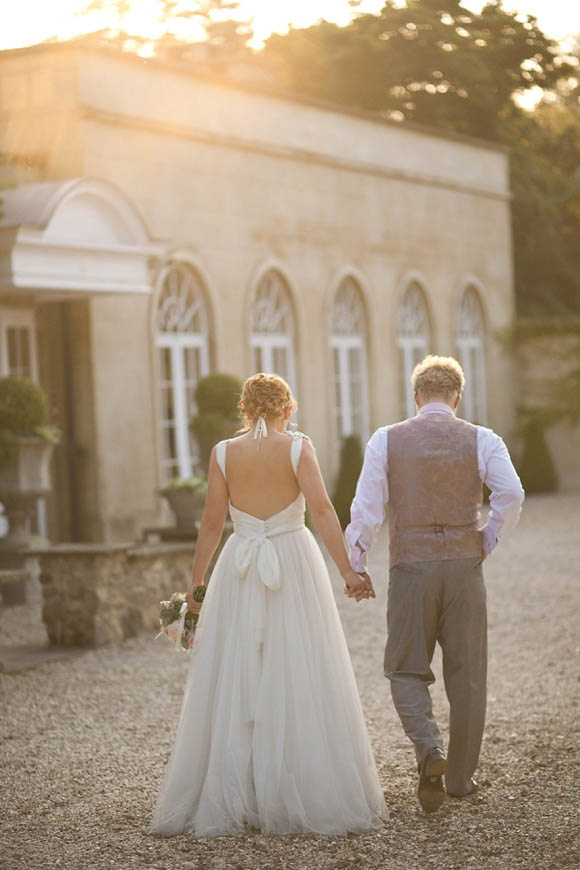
29	21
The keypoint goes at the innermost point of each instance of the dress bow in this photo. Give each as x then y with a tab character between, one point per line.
260	549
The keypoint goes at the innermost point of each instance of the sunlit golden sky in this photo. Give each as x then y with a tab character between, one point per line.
26	22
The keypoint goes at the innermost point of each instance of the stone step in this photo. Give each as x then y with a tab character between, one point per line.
23	657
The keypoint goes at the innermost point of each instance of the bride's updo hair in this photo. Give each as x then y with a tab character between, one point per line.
265	396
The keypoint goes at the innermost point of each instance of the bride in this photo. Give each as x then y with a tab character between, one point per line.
271	734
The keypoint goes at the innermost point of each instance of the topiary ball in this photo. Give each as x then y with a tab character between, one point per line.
218	393
23	406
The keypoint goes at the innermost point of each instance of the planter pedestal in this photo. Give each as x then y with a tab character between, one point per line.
13	586
24	477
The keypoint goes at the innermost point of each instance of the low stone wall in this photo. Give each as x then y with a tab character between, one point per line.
94	594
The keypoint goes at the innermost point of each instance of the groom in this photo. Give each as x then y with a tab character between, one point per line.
430	469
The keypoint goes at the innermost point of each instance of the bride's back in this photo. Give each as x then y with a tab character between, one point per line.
260	481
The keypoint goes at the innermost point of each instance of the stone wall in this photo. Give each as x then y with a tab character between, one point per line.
94	595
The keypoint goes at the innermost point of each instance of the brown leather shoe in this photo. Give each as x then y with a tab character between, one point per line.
430	791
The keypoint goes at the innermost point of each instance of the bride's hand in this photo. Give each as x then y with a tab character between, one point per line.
358	586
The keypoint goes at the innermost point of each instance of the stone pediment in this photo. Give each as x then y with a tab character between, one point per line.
80	235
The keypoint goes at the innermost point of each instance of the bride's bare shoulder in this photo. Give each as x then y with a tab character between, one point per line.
243	436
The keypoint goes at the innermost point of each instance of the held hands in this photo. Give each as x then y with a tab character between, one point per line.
358	586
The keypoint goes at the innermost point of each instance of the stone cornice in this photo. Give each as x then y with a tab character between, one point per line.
274	92
296	154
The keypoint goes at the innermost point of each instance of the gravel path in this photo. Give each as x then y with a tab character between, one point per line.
84	741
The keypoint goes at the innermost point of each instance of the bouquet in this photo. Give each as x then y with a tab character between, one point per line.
177	621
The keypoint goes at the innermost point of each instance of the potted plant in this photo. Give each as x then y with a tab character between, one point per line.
186	499
27	440
216	396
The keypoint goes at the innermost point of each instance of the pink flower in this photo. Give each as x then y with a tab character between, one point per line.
172	630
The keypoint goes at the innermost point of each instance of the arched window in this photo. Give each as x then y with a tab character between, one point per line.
182	339
272	338
471	348
348	343
413	340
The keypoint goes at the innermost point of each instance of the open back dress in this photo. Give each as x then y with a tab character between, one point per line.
271	734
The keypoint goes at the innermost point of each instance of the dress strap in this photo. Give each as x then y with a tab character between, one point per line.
296	448
220	455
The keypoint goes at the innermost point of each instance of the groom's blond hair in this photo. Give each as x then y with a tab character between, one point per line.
438	376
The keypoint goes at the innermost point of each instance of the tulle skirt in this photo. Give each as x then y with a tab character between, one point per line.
271	734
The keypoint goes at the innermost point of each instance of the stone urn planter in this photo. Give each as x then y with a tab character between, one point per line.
24	477
27	439
186	499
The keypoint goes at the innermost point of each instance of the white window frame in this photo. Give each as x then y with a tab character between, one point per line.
349	334
17	318
474	397
413	346
177	342
267	342
342	344
413	350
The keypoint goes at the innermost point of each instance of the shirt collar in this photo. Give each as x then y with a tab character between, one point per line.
436	408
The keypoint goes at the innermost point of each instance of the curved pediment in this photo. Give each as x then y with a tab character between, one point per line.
81	209
78	235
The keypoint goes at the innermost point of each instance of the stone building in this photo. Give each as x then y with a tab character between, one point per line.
158	225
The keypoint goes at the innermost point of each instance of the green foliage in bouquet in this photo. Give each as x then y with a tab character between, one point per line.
217	397
537	470
170	609
170	613
351	460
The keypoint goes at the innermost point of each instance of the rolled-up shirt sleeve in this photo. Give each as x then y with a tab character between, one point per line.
507	494
367	513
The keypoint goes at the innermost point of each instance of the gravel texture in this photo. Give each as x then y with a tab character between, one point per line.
84	741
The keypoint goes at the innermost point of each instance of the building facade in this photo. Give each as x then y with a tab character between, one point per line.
158	226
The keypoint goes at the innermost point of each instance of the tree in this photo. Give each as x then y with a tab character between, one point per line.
192	30
537	469
433	62
545	179
351	461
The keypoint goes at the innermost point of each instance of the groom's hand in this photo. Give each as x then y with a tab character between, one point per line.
358	586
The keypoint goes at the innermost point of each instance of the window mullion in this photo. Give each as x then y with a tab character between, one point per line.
180	405
345	391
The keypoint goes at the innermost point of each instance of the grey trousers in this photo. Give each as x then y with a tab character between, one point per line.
441	601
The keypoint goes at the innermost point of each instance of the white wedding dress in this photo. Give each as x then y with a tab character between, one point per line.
271	733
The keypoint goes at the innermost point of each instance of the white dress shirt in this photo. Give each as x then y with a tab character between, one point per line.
367	512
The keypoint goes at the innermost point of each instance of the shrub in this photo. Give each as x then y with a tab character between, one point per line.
219	393
537	470
217	397
23	406
351	460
